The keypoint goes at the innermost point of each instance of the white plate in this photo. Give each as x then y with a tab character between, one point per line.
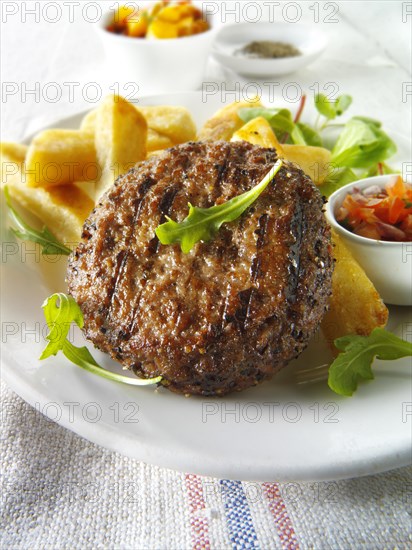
231	38
280	430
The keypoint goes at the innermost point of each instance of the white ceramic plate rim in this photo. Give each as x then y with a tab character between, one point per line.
172	431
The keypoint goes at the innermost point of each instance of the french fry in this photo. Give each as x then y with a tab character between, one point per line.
167	126
175	123
63	209
12	157
59	157
88	124
156	141
120	138
314	161
355	305
258	131
226	121
154	153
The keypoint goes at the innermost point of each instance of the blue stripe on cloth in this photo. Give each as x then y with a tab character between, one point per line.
238	517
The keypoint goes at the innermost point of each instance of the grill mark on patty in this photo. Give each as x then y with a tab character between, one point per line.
296	230
221	172
165	206
262	230
248	307
124	254
224	316
166	201
256	263
260	241
242	311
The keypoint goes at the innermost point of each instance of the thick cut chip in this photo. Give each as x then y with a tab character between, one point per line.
314	161
156	141
258	131
226	121
63	209
175	123
88	123
120	138
59	157
355	305
12	157
167	126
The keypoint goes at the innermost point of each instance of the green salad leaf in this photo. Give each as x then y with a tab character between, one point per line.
202	224
281	121
310	135
368	120
380	169
45	238
332	108
360	150
354	363
60	311
324	106
337	179
362	144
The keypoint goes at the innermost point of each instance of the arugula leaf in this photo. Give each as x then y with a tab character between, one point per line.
50	245
361	145
202	224
354	364
60	311
332	109
58	319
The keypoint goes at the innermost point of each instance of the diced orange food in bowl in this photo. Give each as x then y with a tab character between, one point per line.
137	25
172	14
164	19
161	29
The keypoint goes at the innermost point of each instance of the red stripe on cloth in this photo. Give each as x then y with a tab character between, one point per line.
279	513
198	523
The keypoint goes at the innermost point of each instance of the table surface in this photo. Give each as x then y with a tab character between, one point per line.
61	491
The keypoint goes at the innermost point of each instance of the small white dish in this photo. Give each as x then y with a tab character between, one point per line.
307	39
156	65
387	264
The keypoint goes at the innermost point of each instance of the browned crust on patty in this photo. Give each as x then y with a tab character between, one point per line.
232	311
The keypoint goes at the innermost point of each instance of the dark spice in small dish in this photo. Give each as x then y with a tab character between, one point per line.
266	49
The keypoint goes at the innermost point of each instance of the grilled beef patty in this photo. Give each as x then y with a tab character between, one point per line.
231	312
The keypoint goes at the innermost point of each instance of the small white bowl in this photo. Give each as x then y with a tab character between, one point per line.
156	65
387	264
230	38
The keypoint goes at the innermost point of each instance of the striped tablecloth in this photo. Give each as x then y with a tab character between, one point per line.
60	491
